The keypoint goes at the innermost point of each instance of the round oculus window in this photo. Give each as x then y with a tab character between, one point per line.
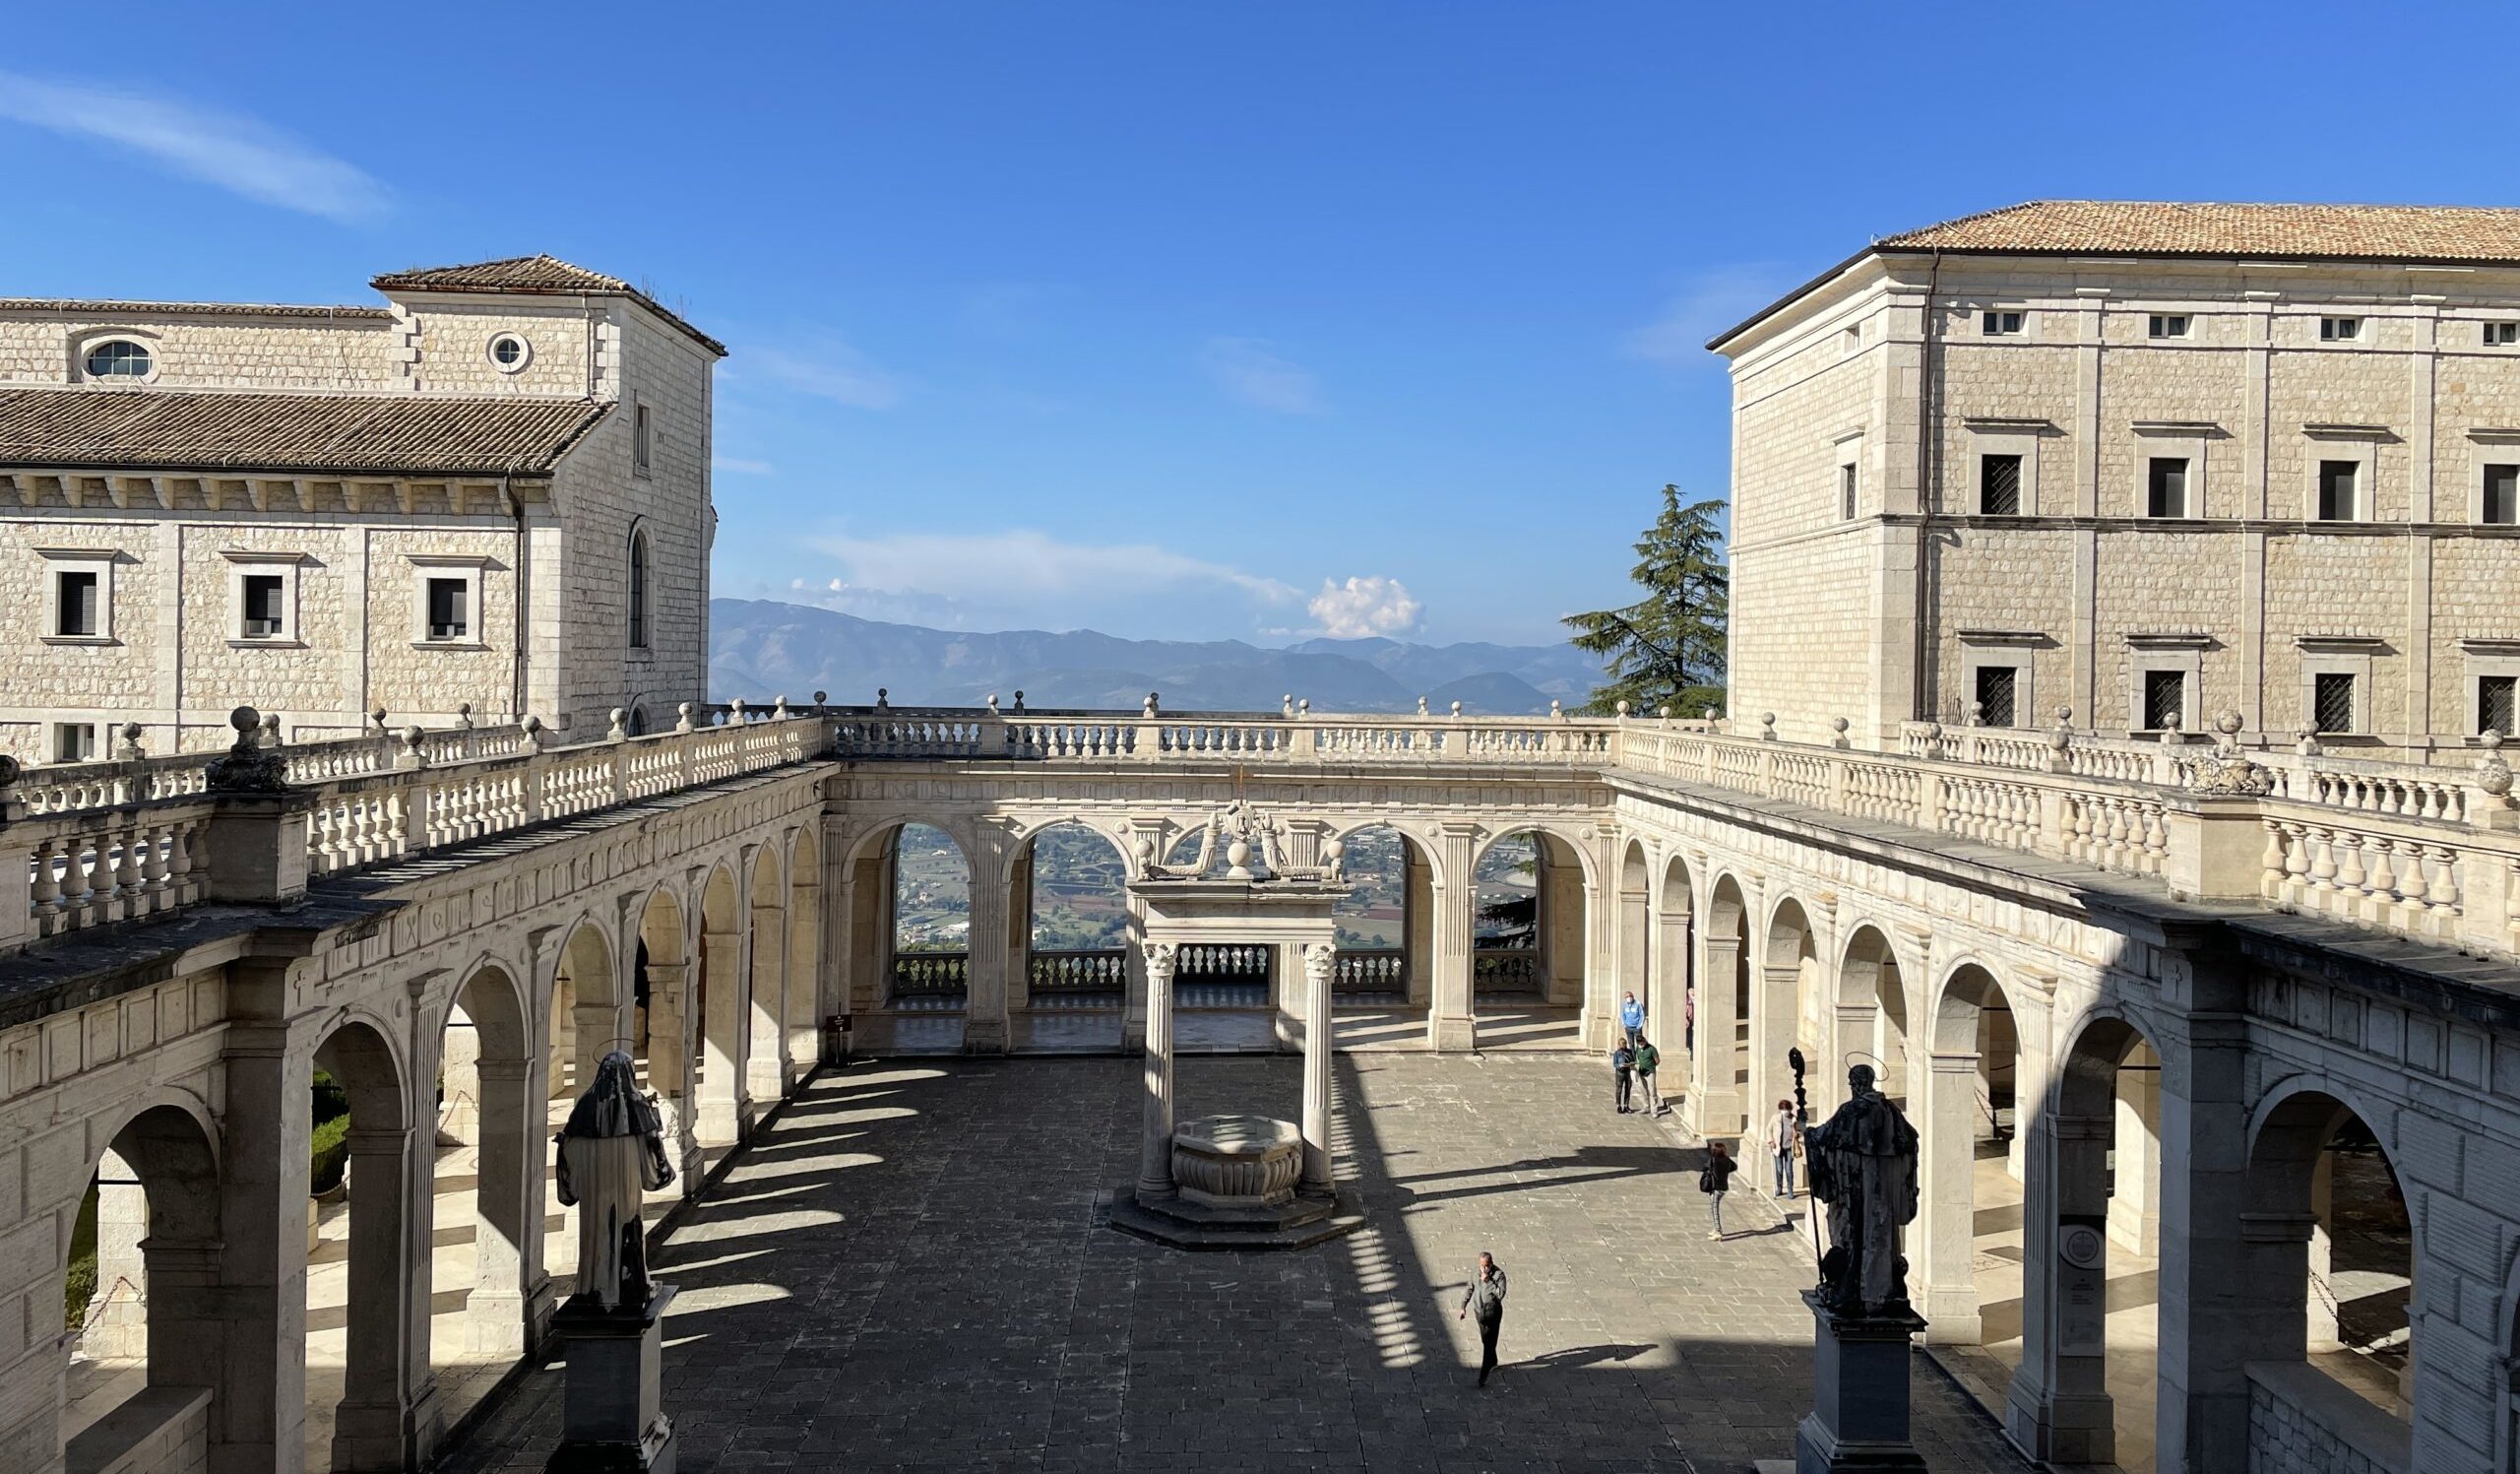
119	359
510	353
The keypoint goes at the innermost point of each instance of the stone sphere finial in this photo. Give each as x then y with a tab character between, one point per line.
883	697
532	726
1286	705
463	714
1767	726
1421	706
620	732
822	698
1839	725
1456	708
1304	707
1019	702
271	729
413	736
2227	721
1663	711
1622	709
376	717
683	717
245	720
1714	715
2306	742
778	708
993	703
1153	704
1556	711
10	770
2493	772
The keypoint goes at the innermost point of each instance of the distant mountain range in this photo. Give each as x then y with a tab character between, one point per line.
759	650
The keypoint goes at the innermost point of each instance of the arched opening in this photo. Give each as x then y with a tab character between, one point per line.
1783	1003
1720	1067
143	1291
360	1379
2331	1258
665	1021
1529	932
1071	927
804	953
586	1017
637	631
718	1010
766	1070
2085	1390
1671	1014
1633	943
1386	922
486	1197
1870	1023
1969	1244
911	921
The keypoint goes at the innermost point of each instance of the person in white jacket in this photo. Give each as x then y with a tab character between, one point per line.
1784	1144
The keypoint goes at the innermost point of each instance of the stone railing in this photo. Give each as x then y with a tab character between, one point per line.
1369	970
65	787
941	734
1097	970
88	869
1504	970
932	974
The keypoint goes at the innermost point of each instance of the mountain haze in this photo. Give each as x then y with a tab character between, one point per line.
759	649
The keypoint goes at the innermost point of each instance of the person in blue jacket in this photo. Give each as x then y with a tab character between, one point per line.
1631	1017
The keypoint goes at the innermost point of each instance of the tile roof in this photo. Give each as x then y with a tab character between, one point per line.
2292	232
2418	234
118	307
531	276
380	434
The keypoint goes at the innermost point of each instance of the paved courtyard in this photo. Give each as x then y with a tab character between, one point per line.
912	1271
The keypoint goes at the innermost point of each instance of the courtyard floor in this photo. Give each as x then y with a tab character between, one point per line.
911	1270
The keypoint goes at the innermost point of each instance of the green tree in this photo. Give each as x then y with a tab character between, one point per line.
1668	647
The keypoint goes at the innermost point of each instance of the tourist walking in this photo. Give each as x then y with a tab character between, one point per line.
1487	1296
1785	1144
1631	1017
1623	1069
1715	1181
1648	1059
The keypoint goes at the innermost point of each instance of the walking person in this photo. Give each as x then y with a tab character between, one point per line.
1487	1296
1623	1069
1648	1059
1631	1018
1715	1181
1785	1144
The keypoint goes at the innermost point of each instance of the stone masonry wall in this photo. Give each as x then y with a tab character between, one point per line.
225	350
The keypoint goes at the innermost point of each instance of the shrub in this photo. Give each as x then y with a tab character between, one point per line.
330	1154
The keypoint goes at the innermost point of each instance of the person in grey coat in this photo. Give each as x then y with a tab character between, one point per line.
1487	1296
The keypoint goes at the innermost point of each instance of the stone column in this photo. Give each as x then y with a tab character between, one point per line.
2214	1318
1667	1014
1417	922
1154	1148
1133	999
374	1427
507	1207
1018	932
1452	1024
2134	1208
2320	1268
1714	1106
258	1419
1319	962
1290	999
769	993
984	1017
2058	1408
800	1047
720	1038
1774	1015
668	1059
1946	1241
117	1317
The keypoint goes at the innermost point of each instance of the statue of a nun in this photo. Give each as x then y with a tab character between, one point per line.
611	1152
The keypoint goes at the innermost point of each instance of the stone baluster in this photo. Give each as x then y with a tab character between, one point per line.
2322	844
47	894
2349	875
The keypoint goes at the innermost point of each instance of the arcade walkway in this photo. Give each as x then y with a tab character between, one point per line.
909	1272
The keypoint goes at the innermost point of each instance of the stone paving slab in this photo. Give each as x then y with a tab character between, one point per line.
913	1271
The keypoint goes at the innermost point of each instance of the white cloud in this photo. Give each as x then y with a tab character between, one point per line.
1367	605
234	152
1023	564
827	367
1246	369
1711	303
738	466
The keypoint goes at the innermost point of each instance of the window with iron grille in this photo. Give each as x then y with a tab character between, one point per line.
2332	701
1846	492
2338	491
2500	504
1999	486
264	619
2167	488
2498	703
450	612
75	603
1996	685
2164	701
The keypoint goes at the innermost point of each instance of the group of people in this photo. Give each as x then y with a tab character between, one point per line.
1633	1062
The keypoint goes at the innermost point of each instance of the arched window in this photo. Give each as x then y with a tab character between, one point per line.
638	589
119	359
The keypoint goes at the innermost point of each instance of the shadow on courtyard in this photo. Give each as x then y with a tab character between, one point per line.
913	1269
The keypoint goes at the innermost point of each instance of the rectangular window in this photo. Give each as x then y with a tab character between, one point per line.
450	615
2332	701
1999	486
2000	324
2169	325
2166	486
2498	703
1846	492
2500	504
74	604
2337	491
265	618
74	741
2340	329
1996	685
2164	701
641	439
2501	334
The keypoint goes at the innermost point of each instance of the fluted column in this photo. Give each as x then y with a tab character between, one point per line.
1155	1150
1318	961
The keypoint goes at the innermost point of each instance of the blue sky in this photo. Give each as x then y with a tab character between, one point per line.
1190	320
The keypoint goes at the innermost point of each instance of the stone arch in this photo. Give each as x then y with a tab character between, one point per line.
718	1013
1869	1008
380	1379
889	968
484	1186
1632	933
1536	951
587	1014
2326	1282
1717	1105
1420	845
1963	1089
664	1012
1384	955
1074	968
805	953
1783	997
1671	1014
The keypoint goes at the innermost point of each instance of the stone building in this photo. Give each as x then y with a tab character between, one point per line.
489	496
2147	462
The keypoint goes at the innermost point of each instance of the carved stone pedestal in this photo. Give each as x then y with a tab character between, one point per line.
611	1418
1235	1180
1858	1419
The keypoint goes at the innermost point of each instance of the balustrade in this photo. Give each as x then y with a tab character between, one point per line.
1101	970
1496	971
1369	970
932	974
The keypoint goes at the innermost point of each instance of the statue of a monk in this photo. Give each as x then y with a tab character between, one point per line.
1863	1166
611	1152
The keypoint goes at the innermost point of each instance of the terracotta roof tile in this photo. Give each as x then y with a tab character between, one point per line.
2329	233
382	434
531	276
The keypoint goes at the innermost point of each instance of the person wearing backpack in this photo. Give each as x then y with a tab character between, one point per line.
1622	1069
1648	1059
1715	1181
